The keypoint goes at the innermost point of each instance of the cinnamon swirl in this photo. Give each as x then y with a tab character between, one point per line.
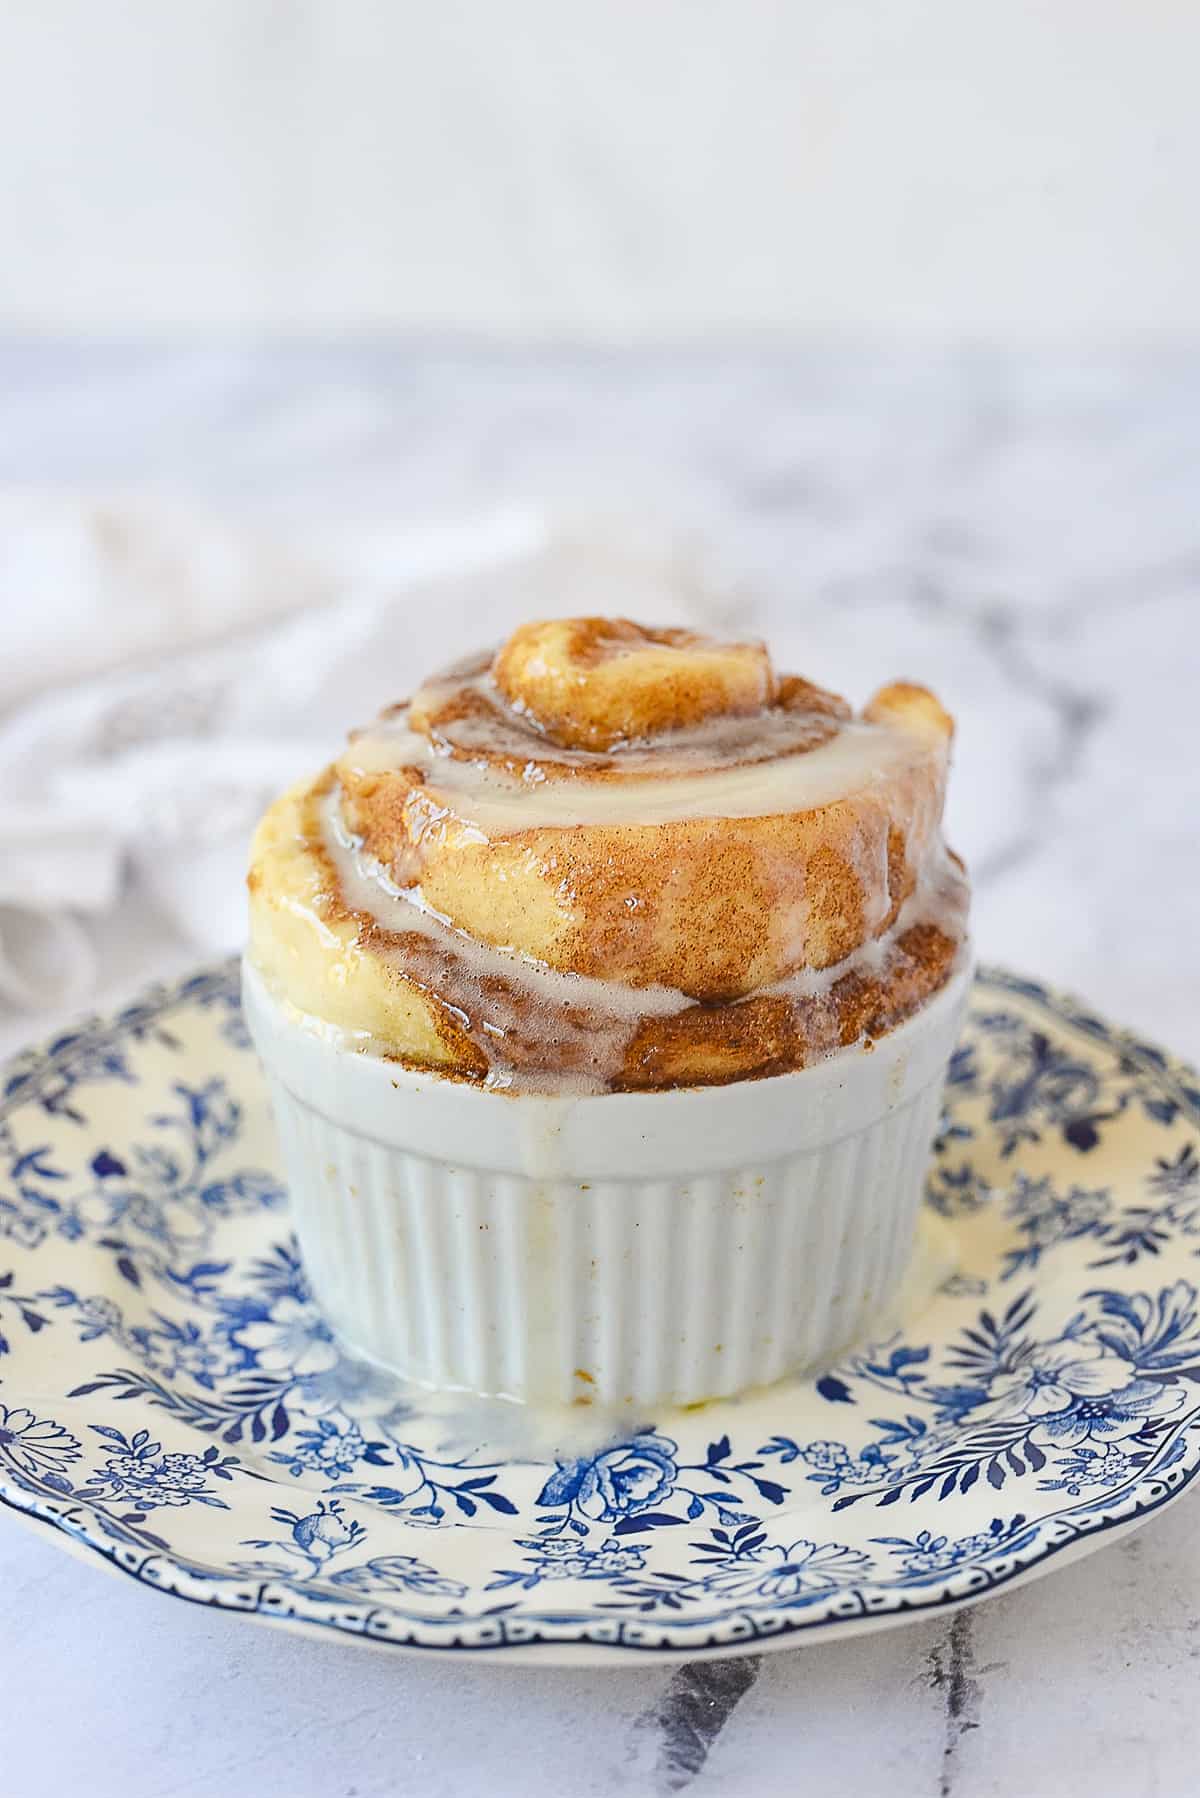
612	858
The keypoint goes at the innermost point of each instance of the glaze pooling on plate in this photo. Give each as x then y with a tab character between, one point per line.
172	1400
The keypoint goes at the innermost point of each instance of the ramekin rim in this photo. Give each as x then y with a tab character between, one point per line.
406	1077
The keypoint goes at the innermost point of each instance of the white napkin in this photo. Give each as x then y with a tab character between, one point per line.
164	675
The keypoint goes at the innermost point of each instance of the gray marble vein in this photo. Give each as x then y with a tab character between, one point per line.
690	1714
952	1673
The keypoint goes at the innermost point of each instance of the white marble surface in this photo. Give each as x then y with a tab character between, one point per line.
1021	532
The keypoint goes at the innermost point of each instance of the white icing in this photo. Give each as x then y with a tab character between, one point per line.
861	756
367	887
601	1015
386	746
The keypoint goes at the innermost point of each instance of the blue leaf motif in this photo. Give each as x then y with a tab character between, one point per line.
498	1502
646	1520
563	1484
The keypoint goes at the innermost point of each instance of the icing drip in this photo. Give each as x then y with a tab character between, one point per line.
541	1030
510	1005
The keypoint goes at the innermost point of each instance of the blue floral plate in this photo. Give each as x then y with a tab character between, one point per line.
172	1401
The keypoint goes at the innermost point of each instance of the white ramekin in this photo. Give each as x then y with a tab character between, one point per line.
631	1249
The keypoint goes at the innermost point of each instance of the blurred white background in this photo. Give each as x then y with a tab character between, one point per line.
640	168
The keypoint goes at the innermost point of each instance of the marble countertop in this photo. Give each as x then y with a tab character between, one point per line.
1020	531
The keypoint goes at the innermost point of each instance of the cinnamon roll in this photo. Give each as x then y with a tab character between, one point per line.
609	858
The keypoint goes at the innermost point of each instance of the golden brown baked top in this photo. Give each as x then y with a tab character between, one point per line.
617	857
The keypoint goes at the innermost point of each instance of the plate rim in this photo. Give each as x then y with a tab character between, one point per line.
585	1648
598	1642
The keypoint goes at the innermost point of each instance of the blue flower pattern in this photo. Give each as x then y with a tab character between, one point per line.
177	1293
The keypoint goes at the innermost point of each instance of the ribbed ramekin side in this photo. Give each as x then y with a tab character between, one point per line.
620	1292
